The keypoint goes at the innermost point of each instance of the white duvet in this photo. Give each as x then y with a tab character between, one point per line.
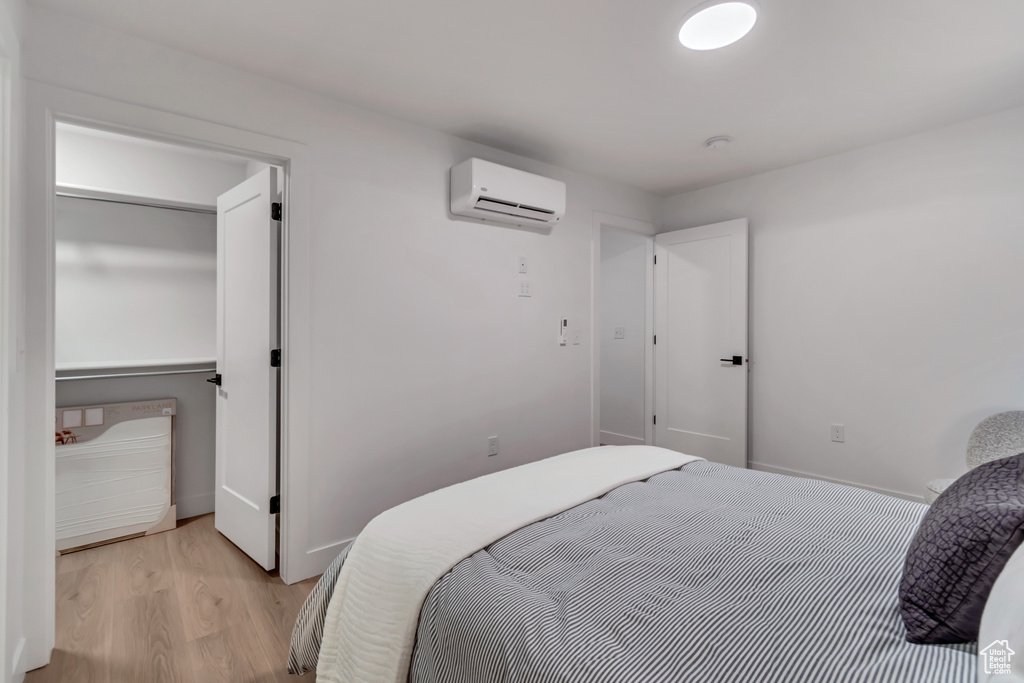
371	621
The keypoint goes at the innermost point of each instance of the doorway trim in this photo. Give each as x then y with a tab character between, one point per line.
7	348
600	220
45	106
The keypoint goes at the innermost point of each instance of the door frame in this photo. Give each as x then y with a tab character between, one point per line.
648	230
7	348
47	105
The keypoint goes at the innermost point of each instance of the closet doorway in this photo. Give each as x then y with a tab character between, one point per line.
139	285
624	331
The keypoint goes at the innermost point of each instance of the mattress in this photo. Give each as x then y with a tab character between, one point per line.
707	573
114	471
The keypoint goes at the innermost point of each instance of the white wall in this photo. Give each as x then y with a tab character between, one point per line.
136	285
99	160
623	303
885	295
420	346
12	377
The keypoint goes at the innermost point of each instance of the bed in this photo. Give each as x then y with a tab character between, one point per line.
627	564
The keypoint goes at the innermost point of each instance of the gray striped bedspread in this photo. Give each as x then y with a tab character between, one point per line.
706	574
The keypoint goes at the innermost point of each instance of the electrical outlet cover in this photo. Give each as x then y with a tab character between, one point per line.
838	433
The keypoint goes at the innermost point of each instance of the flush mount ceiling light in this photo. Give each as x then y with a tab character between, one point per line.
718	23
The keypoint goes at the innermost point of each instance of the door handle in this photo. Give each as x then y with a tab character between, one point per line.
735	360
215	379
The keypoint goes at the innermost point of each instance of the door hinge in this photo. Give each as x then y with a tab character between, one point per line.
275	211
655	419
275	504
275	358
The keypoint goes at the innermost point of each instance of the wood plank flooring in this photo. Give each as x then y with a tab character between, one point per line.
184	606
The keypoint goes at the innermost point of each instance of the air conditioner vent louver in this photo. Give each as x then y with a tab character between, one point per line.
513	209
512	196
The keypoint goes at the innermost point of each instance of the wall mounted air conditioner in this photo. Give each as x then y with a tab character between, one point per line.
481	189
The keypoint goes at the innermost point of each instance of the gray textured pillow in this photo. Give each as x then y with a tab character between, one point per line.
961	546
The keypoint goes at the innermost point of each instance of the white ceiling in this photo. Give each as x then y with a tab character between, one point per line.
602	86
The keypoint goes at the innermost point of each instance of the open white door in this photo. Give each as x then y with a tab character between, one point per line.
247	332
701	350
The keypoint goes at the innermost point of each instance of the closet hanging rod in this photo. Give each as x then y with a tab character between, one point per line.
72	192
153	373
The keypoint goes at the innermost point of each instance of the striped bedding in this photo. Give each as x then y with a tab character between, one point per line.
707	573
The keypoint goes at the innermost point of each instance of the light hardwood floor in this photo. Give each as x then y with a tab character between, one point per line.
184	606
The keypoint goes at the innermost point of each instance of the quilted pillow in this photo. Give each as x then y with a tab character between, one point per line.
963	543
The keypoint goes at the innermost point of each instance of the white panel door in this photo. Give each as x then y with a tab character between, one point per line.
701	328
247	331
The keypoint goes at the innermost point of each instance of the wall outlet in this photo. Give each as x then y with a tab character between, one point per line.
838	433
492	445
524	288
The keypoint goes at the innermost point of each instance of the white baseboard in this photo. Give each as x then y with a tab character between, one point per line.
615	439
17	672
317	560
762	467
193	506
